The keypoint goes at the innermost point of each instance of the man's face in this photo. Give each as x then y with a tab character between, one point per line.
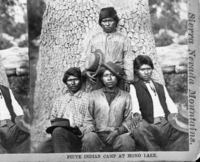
73	84
109	79
145	72
108	25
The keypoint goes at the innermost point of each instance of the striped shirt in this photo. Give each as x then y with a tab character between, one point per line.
72	107
116	48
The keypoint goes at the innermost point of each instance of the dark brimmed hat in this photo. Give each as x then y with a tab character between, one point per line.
113	68
64	123
94	61
108	12
23	123
179	120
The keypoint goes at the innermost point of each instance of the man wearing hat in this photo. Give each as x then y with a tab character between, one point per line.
115	47
67	116
179	121
152	106
14	136
108	118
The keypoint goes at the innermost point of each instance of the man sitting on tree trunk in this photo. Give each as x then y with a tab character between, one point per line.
108	118
12	138
67	116
152	106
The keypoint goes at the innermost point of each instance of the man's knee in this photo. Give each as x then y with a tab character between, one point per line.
143	127
124	142
91	143
58	131
45	147
90	137
141	131
125	139
2	149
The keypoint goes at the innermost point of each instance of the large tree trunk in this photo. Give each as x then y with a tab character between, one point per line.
67	27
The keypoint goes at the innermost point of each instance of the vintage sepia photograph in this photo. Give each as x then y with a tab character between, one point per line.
100	80
111	76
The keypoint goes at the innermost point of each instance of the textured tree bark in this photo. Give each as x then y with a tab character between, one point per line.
67	27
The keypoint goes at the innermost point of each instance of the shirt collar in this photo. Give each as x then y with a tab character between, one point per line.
109	34
116	90
77	94
146	82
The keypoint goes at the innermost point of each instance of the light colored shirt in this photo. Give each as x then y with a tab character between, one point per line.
72	107
116	48
4	112
104	117
157	108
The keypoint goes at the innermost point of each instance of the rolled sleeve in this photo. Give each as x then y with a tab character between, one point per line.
170	104
16	107
135	103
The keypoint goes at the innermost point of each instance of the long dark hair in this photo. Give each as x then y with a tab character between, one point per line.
141	60
74	71
101	72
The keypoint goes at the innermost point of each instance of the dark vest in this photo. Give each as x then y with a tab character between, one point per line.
145	100
7	98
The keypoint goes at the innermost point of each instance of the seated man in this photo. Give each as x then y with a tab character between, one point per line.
71	106
12	138
152	105
108	118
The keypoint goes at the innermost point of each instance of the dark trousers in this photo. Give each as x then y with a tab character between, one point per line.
13	140
160	136
95	142
62	141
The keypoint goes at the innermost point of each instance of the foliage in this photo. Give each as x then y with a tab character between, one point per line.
167	15
163	39
8	17
4	43
13	21
23	43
